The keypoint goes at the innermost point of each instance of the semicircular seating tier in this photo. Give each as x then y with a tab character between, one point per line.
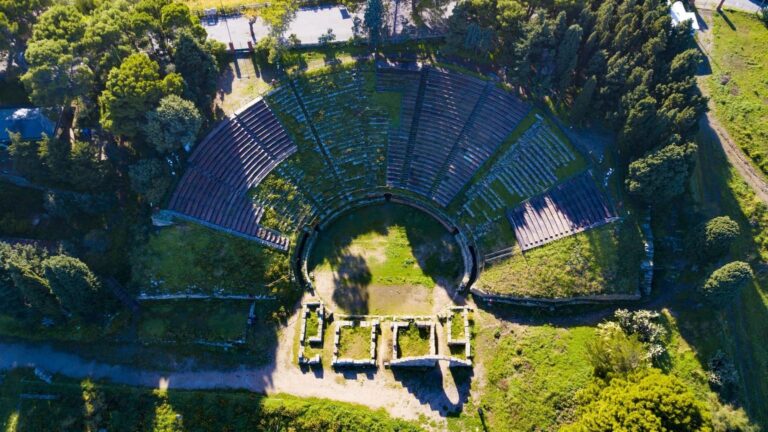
323	140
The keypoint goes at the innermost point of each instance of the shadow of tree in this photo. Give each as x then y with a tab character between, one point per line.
351	281
428	387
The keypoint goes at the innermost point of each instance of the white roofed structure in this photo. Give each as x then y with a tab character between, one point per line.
680	15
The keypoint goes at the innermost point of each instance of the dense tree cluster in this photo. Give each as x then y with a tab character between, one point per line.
618	61
139	73
35	285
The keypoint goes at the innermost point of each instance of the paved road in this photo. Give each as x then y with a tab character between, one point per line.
308	26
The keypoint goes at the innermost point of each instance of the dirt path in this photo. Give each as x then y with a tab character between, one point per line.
712	127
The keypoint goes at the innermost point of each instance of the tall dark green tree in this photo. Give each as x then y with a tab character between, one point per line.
567	56
662	174
583	101
373	22
75	286
198	68
131	91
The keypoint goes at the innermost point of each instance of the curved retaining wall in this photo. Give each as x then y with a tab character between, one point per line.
307	243
539	302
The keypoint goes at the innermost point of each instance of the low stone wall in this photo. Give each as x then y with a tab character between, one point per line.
349	362
539	302
465	340
429	360
306	310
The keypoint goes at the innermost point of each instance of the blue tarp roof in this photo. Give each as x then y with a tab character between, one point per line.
30	122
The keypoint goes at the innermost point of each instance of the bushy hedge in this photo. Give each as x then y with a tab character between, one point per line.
724	283
93	406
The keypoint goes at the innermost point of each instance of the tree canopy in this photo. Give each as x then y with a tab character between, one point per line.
647	401
373	21
662	174
173	124
713	238
150	178
725	283
131	91
74	285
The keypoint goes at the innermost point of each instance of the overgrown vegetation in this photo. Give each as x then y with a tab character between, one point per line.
190	258
90	405
604	260
413	341
355	343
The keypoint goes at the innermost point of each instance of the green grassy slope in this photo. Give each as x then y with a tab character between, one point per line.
604	260
739	83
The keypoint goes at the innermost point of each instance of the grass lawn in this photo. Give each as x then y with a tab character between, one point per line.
604	260
241	82
187	321
738	85
741	328
457	326
369	255
312	324
355	343
413	341
119	408
533	375
188	257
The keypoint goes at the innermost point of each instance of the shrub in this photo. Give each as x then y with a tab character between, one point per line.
645	325
729	419
712	239
614	353
724	283
642	402
722	372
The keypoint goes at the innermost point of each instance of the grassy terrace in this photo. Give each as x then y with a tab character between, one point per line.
84	405
604	260
413	341
355	343
187	321
737	84
188	257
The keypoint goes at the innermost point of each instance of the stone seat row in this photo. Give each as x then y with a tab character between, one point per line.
569	208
